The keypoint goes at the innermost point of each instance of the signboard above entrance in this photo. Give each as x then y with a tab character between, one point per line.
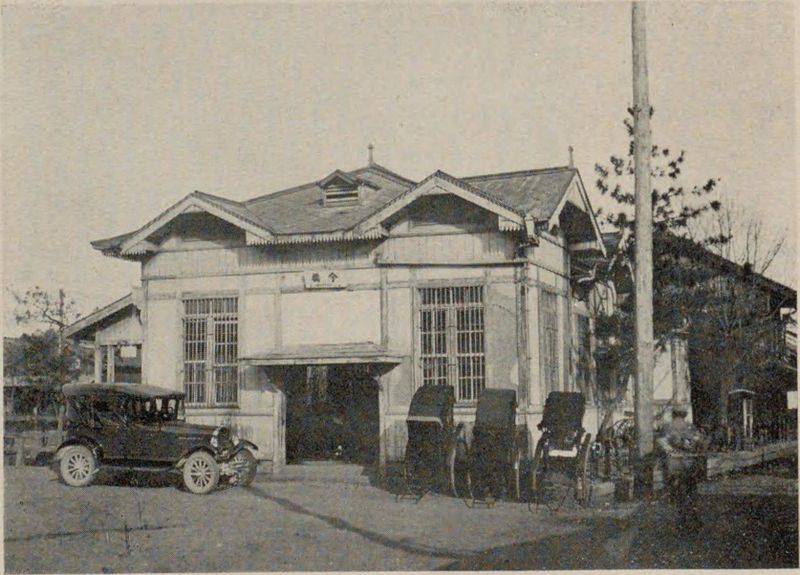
324	279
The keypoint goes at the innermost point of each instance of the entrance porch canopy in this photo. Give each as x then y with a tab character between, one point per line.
324	355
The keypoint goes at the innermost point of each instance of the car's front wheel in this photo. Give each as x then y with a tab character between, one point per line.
78	466
200	473
245	464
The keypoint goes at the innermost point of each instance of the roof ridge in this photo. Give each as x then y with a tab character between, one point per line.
391	174
216	197
386	171
254	218
520	173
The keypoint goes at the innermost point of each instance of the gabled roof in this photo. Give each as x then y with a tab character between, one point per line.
135	243
440	182
99	317
534	192
299	214
339	175
697	251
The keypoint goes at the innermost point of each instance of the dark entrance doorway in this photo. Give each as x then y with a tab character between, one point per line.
332	414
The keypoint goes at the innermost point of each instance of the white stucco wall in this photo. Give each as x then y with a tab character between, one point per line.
161	344
331	317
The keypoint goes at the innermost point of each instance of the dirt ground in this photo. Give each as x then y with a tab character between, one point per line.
116	526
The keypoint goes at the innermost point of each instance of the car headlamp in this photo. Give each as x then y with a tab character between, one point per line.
235	439
215	439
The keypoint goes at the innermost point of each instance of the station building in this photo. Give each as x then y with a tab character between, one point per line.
321	308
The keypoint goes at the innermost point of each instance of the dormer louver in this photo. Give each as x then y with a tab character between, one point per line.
340	189
341	195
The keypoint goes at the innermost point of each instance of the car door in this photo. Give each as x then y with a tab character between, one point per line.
110	428
169	443
144	432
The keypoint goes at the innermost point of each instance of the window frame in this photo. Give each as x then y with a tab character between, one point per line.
549	374
457	344
209	357
583	355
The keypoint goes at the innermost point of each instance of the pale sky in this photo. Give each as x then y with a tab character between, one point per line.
112	114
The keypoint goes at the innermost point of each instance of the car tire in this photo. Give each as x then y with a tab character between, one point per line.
200	473
247	462
77	466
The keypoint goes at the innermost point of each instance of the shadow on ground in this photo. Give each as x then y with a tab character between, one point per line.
738	533
338	523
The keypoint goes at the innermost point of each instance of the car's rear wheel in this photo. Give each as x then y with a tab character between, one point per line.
78	466
200	473
245	464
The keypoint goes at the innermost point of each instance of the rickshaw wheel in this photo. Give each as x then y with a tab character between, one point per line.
468	497
457	453
414	485
515	470
537	473
451	470
582	479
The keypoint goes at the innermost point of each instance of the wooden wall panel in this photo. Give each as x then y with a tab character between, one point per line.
448	248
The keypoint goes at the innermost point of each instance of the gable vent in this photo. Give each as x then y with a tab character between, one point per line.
341	194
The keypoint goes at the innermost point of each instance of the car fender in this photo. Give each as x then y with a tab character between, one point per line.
241	446
185	456
244	443
55	461
85	441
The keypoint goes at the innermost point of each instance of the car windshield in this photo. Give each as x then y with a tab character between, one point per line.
153	409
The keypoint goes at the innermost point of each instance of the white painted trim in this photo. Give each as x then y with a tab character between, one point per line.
190	202
577	185
506	225
432	186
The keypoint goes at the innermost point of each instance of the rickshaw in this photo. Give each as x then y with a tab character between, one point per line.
431	448
493	457
562	453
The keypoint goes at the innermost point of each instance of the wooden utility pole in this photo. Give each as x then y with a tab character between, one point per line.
644	254
61	347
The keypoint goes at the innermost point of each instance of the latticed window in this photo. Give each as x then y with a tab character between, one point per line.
548	339
452	339
210	350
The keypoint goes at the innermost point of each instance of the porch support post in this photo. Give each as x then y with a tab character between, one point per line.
382	380
98	362
279	422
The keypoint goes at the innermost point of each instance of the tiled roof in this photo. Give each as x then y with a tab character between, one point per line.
300	210
536	192
233	207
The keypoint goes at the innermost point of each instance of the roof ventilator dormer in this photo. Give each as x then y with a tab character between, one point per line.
341	196
340	189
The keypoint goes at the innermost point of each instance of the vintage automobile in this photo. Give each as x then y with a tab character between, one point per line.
142	428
